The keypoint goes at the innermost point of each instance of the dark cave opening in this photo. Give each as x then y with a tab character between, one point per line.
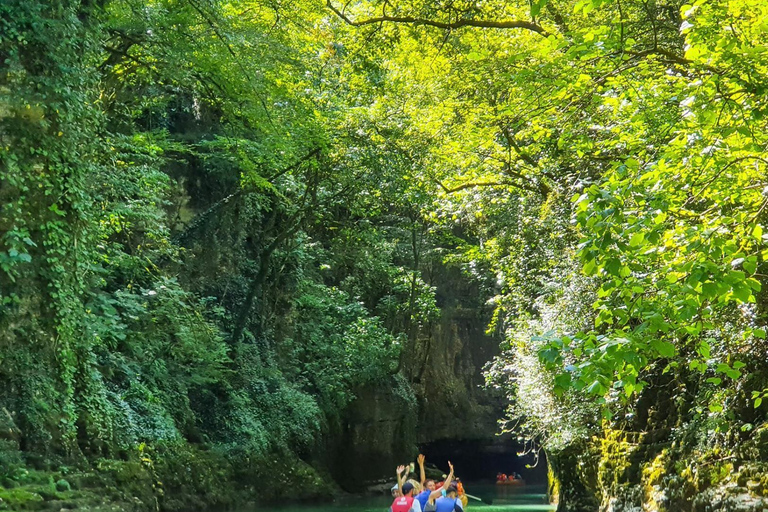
480	460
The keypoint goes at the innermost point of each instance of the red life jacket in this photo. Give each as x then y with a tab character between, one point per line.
402	504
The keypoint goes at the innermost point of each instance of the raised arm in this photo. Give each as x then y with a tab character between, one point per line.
421	460
438	492
401	474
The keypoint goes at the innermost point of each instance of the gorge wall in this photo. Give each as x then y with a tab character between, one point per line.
668	455
383	427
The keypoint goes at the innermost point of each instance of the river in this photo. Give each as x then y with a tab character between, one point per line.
495	499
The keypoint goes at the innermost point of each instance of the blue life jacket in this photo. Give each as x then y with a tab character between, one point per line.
423	496
446	504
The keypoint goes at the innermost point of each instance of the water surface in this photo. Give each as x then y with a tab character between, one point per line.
495	499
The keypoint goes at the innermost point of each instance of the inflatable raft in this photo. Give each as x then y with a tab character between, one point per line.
511	482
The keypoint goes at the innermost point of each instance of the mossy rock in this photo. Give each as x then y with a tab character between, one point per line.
757	446
127	481
189	478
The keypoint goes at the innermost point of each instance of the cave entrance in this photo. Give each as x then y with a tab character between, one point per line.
481	460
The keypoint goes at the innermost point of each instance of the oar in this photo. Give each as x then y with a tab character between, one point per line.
489	502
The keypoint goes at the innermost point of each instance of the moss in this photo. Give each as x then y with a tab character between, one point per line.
553	485
614	468
127	481
9	483
19	499
574	471
653	479
83	480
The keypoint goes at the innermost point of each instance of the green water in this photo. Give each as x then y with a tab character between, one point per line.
501	499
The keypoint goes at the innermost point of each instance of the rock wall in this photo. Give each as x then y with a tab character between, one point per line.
447	364
623	473
669	457
377	433
443	374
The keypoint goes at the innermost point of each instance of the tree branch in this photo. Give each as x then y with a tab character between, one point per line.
720	173
473	184
214	27
202	217
294	222
528	159
505	24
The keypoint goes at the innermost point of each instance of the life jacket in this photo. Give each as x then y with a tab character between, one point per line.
446	504
402	504
423	498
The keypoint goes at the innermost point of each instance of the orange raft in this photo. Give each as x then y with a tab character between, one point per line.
517	481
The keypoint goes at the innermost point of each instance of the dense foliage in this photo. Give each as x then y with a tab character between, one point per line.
222	220
195	243
602	165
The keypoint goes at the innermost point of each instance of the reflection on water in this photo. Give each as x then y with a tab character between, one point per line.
494	499
502	498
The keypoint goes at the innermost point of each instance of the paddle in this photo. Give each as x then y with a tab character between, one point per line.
486	501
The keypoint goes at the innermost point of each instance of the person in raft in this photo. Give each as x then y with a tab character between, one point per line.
431	502
450	502
427	484
406	502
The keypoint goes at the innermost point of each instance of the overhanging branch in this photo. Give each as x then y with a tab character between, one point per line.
474	184
504	24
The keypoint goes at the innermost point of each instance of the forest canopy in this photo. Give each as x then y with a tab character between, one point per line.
221	220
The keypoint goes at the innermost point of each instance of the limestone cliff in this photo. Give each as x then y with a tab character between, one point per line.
668	455
444	371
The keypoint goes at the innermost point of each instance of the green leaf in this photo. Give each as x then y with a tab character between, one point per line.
664	348
563	380
704	349
55	209
536	6
709	290
722	368
613	267
742	292
596	388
